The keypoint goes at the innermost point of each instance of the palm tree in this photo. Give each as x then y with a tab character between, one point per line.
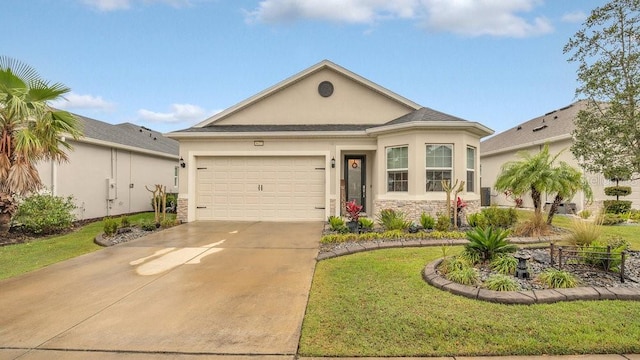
30	131
531	173
566	181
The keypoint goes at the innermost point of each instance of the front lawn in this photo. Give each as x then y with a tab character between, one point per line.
377	304
21	258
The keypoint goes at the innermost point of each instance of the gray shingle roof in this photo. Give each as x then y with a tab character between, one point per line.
128	134
550	125
424	114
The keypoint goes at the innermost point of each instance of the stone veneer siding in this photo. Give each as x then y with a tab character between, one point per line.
413	209
182	210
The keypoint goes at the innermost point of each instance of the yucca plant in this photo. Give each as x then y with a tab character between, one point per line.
489	242
499	282
555	279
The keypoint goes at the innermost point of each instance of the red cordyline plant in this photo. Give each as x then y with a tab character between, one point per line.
353	210
460	204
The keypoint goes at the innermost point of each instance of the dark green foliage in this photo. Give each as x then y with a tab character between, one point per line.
148	226
617	206
124	221
617	190
499	282
110	226
500	217
555	279
477	220
489	242
45	214
443	223
504	264
611	219
337	224
427	221
393	220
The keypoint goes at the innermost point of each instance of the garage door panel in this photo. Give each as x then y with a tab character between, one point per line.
260	188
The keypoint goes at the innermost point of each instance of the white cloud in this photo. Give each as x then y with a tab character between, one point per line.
179	113
78	101
465	17
574	17
485	17
114	5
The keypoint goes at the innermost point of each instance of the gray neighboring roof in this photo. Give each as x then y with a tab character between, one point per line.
552	125
423	114
128	134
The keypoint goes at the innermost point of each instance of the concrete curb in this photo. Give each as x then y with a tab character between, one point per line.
528	297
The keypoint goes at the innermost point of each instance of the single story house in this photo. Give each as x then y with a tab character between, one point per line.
110	166
300	149
553	128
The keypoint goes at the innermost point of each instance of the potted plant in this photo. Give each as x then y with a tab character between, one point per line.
353	214
460	205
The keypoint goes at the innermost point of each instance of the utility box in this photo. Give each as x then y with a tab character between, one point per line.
111	189
485	196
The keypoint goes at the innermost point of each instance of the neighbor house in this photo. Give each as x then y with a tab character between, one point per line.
303	147
110	166
553	128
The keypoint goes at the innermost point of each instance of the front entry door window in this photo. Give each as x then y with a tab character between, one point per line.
355	175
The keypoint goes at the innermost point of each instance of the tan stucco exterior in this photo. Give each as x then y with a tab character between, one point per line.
93	165
355	101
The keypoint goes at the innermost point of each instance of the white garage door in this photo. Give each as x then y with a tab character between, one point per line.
260	188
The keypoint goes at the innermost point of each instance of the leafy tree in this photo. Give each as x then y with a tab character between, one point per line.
607	51
30	131
532	173
565	182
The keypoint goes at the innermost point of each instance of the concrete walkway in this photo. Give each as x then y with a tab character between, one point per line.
200	290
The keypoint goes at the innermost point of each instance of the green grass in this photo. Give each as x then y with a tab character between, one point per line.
22	258
377	304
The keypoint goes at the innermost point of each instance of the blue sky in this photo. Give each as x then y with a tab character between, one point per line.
168	64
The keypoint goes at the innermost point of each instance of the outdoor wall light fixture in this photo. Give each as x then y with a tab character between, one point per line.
182	163
333	162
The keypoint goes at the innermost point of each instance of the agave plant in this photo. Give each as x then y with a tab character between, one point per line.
488	242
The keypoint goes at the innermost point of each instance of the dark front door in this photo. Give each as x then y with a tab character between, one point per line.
354	177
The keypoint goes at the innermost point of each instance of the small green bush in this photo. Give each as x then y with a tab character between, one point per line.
366	223
110	226
443	223
504	264
337	224
500	217
393	220
617	206
611	219
557	279
124	221
471	257
617	190
500	282
45	214
584	214
464	276
167	223
453	263
427	221
477	220
148	226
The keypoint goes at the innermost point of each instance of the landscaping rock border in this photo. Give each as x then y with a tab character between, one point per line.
546	296
527	297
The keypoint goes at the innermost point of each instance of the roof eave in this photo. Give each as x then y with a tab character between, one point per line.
525	145
473	127
266	134
110	144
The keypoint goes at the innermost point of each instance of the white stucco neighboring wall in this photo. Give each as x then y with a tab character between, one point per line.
86	177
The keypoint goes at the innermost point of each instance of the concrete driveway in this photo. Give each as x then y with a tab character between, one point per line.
203	289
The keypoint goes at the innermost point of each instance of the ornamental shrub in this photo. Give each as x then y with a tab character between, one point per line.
489	242
499	282
393	220
477	220
500	217
504	264
109	226
443	223
45	214
617	190
554	279
337	224
366	223
617	206
427	221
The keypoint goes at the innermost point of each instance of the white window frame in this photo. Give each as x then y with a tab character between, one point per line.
471	186
176	170
392	184
437	187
